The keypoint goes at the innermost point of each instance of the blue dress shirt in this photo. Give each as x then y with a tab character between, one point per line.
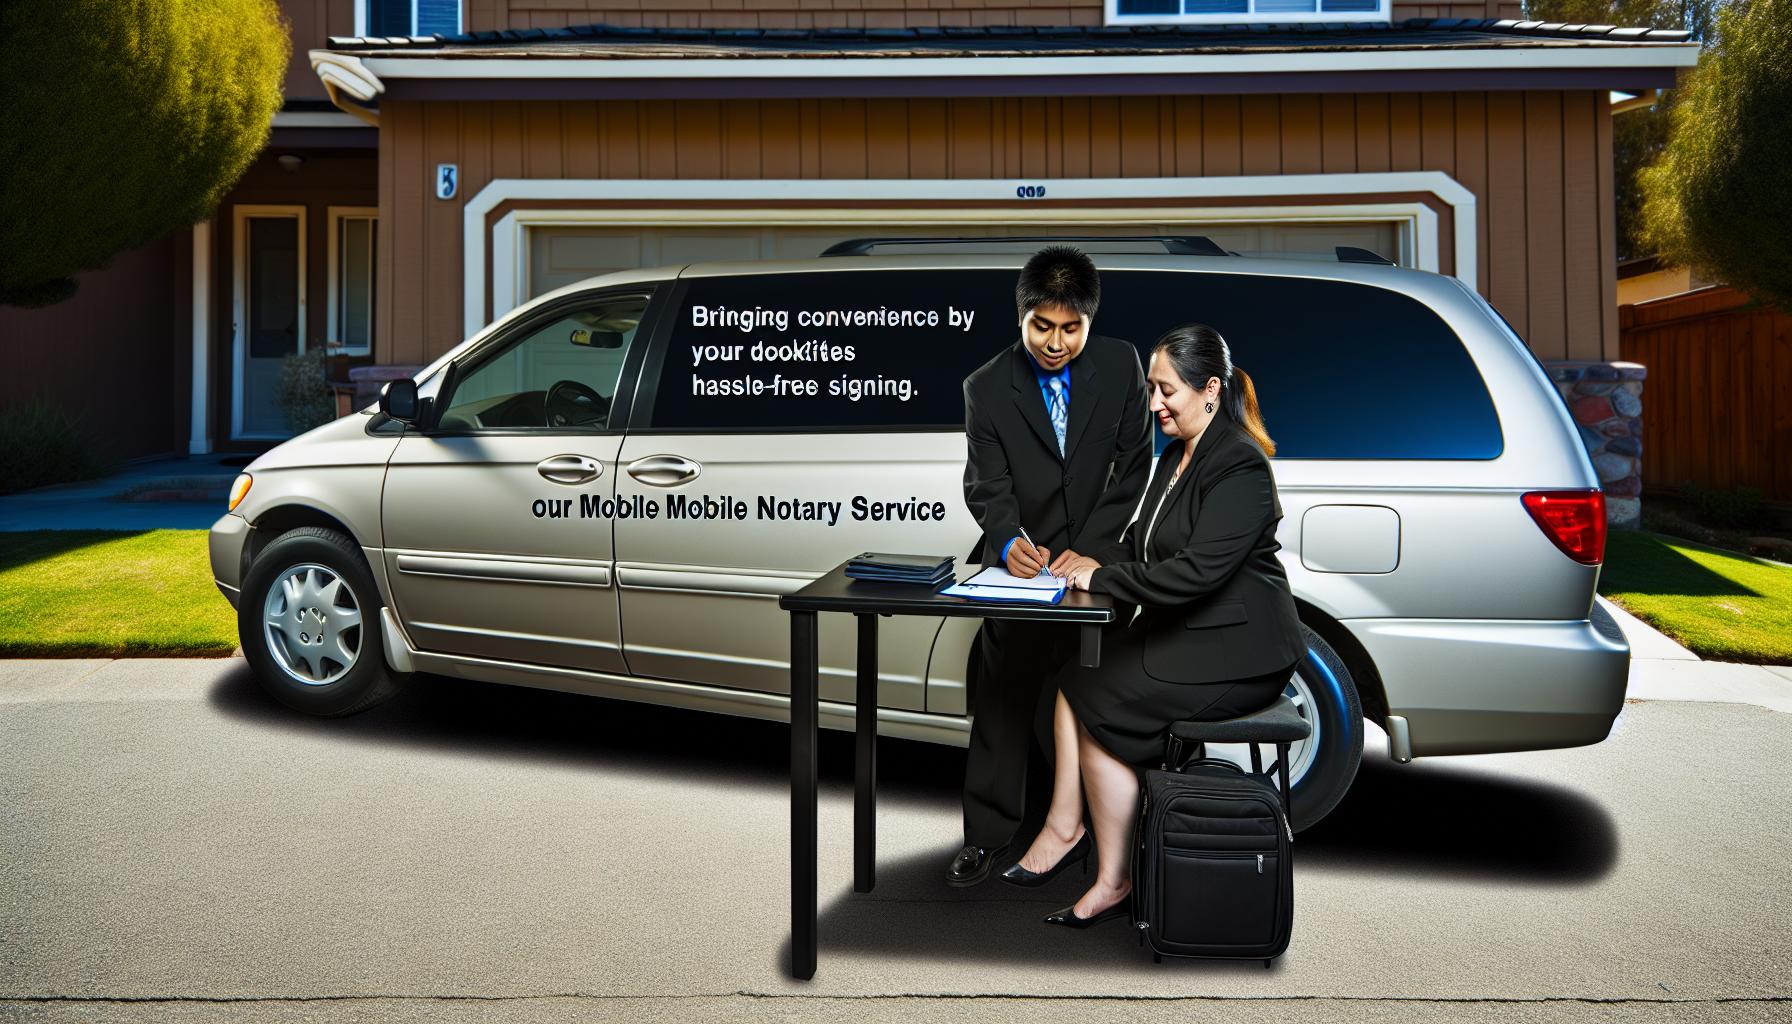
1045	392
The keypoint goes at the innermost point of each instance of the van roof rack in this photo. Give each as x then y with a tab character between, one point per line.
1176	245
1352	254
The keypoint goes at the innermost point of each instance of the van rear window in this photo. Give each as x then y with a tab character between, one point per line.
1343	371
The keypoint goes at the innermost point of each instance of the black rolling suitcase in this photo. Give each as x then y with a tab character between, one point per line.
1212	873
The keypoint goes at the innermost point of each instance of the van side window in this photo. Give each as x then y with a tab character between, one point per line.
830	350
1342	370
560	375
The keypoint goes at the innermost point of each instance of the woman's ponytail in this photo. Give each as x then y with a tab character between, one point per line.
1240	397
1198	353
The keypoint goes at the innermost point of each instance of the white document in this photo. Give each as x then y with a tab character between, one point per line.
998	576
997	584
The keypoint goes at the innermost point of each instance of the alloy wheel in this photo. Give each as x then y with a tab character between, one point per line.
312	624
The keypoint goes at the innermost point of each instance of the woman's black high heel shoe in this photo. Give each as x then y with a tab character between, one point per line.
1018	875
1067	917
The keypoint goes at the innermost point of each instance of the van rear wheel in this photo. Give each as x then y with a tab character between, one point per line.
309	624
1321	767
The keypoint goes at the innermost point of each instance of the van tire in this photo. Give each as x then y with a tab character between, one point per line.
308	555
1337	712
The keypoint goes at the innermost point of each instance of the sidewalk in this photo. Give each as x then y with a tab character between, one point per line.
1661	669
167	494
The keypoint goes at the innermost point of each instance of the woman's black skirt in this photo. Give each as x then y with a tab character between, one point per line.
1129	712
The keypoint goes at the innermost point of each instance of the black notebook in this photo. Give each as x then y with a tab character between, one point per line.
931	570
927	564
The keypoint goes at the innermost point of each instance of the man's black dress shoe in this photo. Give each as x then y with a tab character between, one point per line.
972	865
1067	917
1017	875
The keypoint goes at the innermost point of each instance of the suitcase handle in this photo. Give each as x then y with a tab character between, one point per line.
1211	762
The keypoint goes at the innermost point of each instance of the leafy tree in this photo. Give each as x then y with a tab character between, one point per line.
1720	199
1638	136
123	120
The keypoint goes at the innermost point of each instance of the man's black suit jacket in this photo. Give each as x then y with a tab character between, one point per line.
1214	599
1014	476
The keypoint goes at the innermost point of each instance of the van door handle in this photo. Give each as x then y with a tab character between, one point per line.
570	469
664	470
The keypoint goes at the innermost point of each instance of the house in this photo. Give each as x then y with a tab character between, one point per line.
437	164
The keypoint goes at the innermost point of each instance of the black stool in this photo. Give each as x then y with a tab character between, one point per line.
1280	724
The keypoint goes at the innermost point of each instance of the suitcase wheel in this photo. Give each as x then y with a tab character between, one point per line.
1266	965
1157	958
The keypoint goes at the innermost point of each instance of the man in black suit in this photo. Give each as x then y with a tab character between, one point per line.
1060	445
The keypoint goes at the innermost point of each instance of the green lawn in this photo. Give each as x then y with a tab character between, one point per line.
111	593
1718	604
106	593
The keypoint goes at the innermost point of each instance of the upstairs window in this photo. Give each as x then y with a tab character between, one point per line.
1178	12
407	17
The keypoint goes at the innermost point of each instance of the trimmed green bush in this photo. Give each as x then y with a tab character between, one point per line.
1720	198
42	444
1638	136
123	120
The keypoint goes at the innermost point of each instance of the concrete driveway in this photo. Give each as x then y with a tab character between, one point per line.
175	846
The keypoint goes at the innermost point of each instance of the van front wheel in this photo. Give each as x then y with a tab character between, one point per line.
308	621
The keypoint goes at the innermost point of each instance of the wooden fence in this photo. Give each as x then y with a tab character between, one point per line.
1717	404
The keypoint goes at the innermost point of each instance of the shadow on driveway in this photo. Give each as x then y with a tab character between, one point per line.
1431	819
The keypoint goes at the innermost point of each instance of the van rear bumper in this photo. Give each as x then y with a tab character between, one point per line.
1475	686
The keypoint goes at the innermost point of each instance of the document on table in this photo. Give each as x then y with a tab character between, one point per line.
997	584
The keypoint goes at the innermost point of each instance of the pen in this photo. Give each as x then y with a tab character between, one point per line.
1043	570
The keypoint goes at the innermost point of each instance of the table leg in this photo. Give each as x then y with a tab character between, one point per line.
864	807
805	709
1091	653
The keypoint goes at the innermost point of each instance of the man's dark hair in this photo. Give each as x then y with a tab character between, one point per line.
1059	275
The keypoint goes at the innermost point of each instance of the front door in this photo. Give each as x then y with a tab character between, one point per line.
496	545
268	310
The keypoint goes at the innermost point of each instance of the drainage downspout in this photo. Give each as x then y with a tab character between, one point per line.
349	84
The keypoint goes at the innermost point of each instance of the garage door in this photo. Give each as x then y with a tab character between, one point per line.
562	255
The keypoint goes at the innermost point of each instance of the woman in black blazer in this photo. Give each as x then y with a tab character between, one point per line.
1215	635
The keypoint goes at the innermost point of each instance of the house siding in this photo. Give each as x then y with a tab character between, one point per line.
118	353
499	14
312	22
1538	163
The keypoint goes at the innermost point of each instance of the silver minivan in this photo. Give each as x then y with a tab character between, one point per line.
607	490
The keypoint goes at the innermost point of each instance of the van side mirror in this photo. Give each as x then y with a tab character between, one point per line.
398	399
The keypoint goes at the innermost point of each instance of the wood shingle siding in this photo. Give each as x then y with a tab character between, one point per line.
1538	163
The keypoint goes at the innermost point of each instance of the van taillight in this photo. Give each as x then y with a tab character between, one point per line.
1575	520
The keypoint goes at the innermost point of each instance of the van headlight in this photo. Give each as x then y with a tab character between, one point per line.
239	490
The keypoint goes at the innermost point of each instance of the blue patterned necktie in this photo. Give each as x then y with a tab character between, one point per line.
1060	411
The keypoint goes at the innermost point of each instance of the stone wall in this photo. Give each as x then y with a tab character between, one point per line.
1606	400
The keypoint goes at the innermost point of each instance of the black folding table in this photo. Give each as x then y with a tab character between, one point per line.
837	592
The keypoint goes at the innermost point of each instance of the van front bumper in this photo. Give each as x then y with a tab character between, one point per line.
228	536
1470	686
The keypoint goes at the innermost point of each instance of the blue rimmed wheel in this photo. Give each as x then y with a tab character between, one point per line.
1322	766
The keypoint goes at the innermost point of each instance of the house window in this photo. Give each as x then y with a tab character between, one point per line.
1172	12
407	17
352	296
